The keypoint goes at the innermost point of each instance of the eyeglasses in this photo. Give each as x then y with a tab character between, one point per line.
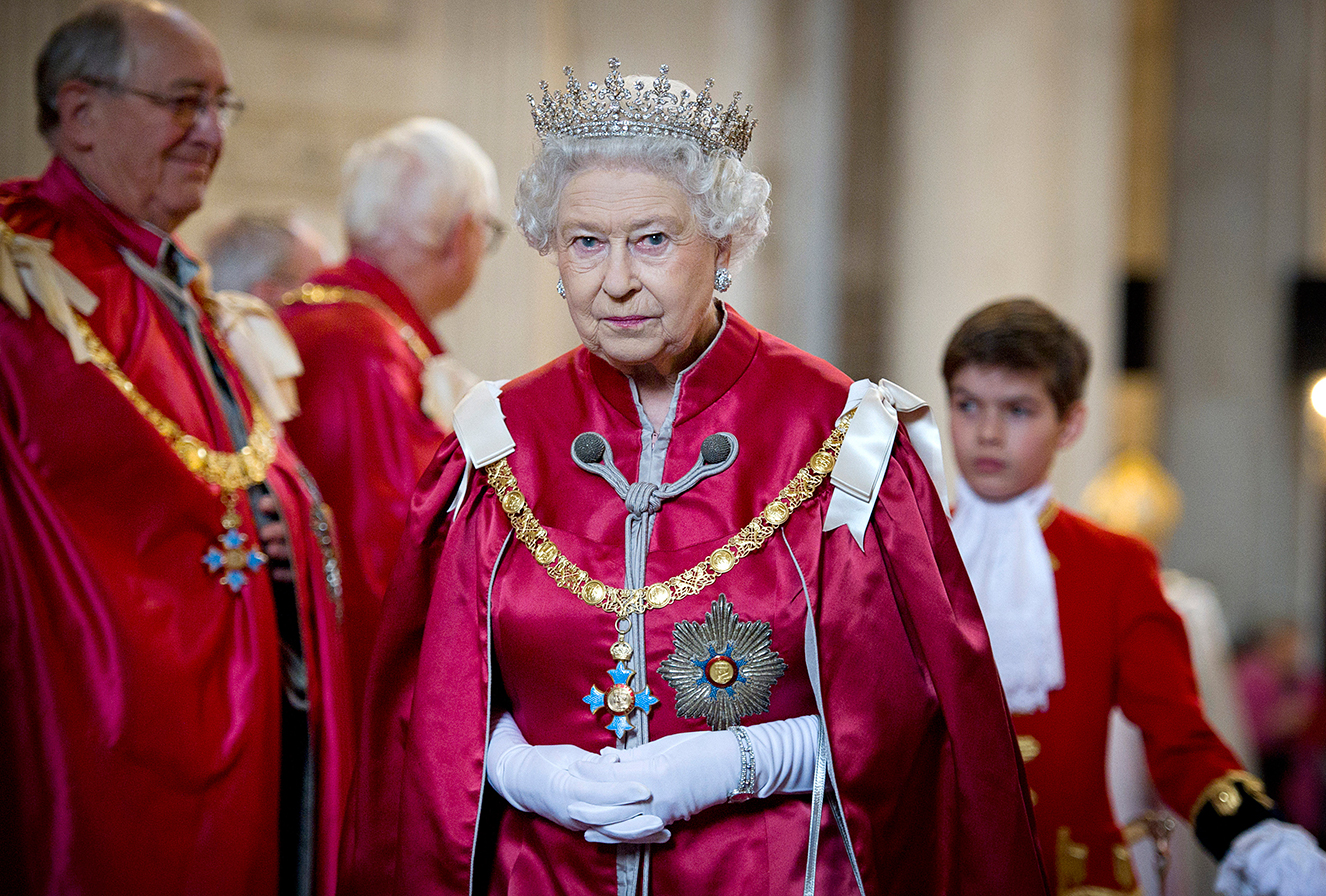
186	109
497	230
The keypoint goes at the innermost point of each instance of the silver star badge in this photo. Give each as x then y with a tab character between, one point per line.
722	669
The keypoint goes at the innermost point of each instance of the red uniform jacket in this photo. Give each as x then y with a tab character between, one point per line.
140	698
1123	645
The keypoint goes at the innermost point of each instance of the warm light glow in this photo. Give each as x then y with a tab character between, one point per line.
1318	396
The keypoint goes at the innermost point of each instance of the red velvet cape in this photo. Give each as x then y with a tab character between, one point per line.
363	434
1124	645
140	697
924	751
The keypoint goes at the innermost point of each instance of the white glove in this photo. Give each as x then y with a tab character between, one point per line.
686	773
540	779
1272	858
785	755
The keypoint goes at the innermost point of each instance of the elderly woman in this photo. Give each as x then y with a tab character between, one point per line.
684	596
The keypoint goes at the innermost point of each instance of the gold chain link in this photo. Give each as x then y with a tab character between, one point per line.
624	602
310	294
229	470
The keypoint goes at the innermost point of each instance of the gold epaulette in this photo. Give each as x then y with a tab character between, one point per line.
1223	794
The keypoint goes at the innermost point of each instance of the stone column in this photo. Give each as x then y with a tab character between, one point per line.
1239	233
1008	126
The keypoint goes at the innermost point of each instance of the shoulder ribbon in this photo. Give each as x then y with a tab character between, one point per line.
263	349
28	269
880	408
481	429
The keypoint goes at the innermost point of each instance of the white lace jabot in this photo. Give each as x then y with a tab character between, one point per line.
1005	554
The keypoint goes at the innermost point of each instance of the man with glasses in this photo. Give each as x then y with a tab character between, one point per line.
173	693
419	202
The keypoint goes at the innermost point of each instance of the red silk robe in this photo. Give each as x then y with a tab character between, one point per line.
922	746
140	697
1123	645
363	434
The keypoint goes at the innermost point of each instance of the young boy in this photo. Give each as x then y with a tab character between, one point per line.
1078	624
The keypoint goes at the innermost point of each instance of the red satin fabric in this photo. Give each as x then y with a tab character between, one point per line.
363	435
922	743
1124	645
140	697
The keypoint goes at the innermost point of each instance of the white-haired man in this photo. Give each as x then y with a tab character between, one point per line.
419	203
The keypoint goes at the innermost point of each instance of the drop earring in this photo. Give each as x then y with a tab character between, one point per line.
561	290
722	279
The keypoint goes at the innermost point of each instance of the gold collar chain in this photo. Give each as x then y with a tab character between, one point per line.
232	559
231	470
311	294
624	602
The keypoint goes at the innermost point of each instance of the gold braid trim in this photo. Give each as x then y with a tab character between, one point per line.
309	294
229	470
623	602
1223	794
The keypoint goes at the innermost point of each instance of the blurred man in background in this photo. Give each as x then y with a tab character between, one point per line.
419	202
264	255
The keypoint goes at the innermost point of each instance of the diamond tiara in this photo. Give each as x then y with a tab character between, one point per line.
616	109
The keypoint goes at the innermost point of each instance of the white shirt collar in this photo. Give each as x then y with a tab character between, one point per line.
1010	568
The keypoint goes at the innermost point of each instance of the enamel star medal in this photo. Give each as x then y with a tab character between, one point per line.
722	669
620	699
232	560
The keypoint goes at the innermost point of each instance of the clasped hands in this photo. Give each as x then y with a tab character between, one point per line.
632	796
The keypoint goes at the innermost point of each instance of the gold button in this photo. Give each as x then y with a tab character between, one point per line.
821	462
619	699
545	553
721	671
594	592
659	595
722	560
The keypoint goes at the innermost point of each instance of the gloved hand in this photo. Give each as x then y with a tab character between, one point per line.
1272	858
686	773
539	779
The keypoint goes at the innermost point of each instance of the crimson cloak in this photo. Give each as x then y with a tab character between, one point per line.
922	747
140	697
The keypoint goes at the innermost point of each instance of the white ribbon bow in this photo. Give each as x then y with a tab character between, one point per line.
864	455
27	268
263	349
481	429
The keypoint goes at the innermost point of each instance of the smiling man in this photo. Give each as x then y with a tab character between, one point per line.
172	685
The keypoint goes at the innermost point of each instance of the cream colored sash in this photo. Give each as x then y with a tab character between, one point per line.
263	349
864	456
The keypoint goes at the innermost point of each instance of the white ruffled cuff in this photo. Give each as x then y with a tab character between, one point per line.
1273	858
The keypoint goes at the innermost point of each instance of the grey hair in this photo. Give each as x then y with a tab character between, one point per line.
415	181
729	200
251	248
93	45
